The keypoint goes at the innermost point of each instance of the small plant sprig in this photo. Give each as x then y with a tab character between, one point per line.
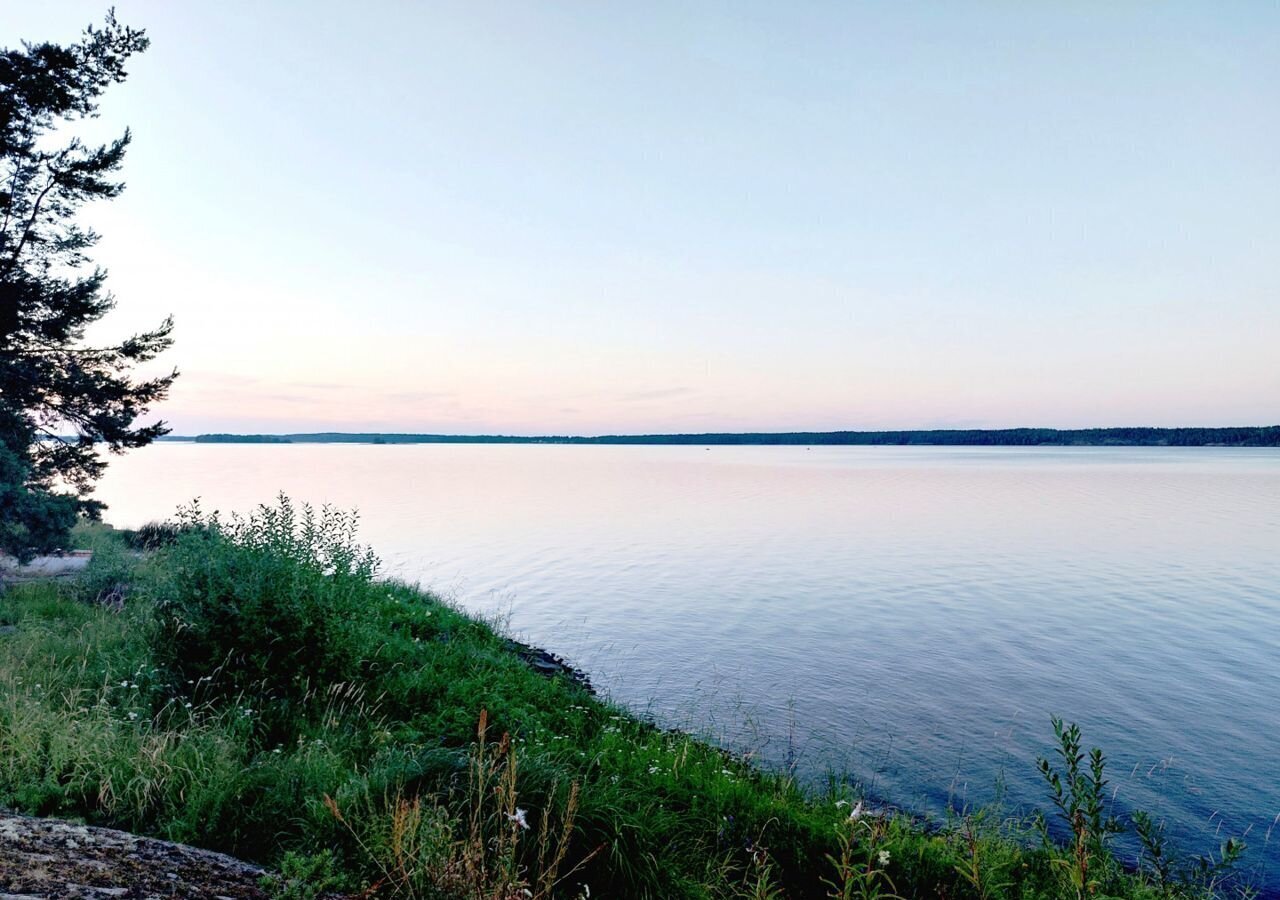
1210	872
490	857
1170	875
973	868
303	877
861	867
761	880
1155	857
1078	794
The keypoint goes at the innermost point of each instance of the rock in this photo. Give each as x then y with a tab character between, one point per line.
549	664
65	565
44	859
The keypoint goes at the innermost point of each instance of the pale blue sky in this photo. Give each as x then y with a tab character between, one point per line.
618	217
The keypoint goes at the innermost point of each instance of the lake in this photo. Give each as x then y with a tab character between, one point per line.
909	615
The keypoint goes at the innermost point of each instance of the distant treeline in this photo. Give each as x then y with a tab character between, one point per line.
241	438
1009	437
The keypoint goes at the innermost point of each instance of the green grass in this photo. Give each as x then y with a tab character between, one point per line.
262	694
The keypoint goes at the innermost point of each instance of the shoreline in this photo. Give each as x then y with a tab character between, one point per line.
385	699
1235	436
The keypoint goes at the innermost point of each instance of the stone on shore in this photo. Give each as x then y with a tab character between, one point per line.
44	859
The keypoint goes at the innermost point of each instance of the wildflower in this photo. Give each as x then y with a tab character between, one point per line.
883	858
187	704
856	813
132	716
518	818
124	683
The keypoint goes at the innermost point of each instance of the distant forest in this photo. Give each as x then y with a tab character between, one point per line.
1009	437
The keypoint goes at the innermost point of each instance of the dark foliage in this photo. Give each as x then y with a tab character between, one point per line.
153	535
1008	437
51	384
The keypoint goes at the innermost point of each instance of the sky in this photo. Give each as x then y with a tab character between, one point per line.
606	217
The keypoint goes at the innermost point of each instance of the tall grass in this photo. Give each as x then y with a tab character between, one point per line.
262	693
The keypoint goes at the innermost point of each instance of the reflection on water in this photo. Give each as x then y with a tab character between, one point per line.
913	615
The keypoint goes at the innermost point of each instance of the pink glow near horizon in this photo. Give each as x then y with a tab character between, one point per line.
748	218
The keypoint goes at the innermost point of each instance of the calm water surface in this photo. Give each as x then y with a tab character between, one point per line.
910	615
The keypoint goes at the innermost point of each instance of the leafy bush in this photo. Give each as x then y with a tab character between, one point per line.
260	606
1078	795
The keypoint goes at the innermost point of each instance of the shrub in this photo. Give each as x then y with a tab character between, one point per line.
259	607
153	535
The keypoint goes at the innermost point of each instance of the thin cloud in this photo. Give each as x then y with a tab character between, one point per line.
421	396
660	394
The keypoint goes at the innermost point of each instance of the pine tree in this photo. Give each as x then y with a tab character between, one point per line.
61	401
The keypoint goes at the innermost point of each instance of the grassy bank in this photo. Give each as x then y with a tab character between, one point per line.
258	691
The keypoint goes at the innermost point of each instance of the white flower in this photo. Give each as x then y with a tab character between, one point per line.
132	716
884	858
187	704
856	813
518	818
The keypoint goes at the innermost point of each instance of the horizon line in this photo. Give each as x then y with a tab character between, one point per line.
829	431
1149	436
